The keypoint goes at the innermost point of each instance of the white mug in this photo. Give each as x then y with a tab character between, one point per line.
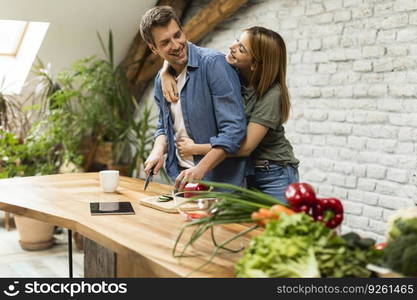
109	180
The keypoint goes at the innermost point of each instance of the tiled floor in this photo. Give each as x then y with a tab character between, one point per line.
53	262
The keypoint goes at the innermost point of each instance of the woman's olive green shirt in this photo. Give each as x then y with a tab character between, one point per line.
266	112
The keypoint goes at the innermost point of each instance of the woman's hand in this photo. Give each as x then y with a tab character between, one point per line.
169	86
186	147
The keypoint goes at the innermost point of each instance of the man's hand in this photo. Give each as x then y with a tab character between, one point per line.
154	159
189	175
209	161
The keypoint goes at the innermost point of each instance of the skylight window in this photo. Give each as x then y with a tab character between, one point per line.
19	44
11	36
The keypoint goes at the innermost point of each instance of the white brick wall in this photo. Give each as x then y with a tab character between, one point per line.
352	75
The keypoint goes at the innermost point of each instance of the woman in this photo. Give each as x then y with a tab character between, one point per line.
260	58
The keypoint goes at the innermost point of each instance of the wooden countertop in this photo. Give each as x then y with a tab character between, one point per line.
148	236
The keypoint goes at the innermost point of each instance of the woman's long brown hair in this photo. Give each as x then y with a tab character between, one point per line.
270	54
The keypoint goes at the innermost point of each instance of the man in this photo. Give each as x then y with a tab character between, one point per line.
210	109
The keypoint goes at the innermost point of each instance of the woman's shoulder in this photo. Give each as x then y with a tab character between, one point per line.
273	94
274	91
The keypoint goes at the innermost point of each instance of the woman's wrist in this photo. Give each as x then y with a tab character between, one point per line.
165	67
190	150
201	149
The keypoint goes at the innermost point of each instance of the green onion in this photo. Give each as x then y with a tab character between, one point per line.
232	207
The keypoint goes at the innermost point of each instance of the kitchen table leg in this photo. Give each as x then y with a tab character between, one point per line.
70	252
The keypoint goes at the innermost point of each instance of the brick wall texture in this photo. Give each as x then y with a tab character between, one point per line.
352	77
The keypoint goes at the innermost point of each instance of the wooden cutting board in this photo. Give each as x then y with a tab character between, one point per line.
153	202
168	206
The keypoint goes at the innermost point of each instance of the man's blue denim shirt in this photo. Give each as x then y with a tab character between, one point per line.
213	113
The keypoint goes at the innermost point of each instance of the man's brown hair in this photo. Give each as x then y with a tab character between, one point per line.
156	16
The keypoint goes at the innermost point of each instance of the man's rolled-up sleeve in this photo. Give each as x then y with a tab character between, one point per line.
228	106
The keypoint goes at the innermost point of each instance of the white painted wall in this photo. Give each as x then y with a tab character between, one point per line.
72	32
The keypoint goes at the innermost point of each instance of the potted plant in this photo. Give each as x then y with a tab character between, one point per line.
16	160
103	108
34	148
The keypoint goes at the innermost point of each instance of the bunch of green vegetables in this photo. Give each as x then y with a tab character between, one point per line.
297	246
234	206
400	254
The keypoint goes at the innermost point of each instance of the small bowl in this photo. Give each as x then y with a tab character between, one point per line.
193	208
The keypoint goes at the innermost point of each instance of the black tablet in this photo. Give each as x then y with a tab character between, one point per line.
111	208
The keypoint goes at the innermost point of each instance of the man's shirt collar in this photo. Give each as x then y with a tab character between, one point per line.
193	57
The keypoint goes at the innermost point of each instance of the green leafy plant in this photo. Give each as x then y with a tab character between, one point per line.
98	96
35	155
106	106
141	138
11	151
35	135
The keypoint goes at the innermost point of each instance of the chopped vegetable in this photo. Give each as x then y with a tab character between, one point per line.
165	198
195	215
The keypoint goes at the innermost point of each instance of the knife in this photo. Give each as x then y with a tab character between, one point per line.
148	178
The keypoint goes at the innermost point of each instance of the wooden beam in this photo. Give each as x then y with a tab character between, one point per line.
139	50
209	17
197	27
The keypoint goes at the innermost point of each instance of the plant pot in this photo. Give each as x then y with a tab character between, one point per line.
104	154
123	169
79	241
100	157
34	235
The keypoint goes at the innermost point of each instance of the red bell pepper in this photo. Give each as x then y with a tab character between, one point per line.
329	211
191	187
301	197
